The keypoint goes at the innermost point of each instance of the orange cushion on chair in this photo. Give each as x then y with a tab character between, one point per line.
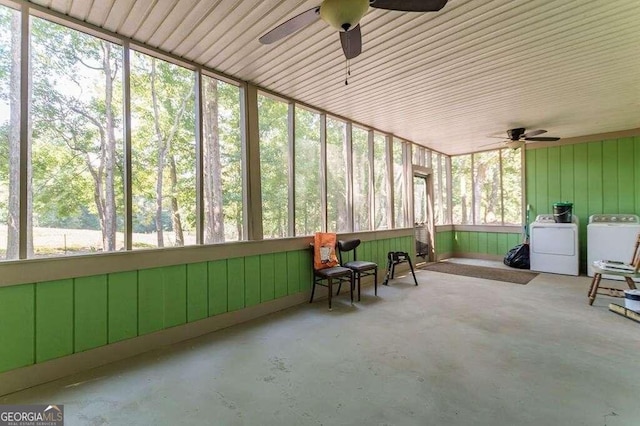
324	250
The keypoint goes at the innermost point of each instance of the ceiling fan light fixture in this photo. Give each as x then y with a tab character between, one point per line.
343	15
514	144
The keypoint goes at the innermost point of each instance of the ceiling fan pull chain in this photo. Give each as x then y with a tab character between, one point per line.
347	71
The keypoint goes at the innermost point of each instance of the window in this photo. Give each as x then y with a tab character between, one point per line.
274	165
439	189
337	166
76	142
380	182
512	186
461	189
222	161
495	185
361	171
487	194
9	132
399	192
163	153
307	176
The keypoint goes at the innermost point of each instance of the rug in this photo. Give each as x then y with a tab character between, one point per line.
506	275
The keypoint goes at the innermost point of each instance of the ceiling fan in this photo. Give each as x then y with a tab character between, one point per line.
518	136
344	16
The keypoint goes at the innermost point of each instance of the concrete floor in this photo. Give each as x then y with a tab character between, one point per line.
453	351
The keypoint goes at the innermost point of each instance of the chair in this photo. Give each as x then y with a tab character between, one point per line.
338	273
360	268
620	269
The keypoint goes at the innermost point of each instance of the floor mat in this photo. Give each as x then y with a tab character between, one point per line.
506	275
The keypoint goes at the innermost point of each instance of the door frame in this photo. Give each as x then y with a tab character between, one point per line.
427	174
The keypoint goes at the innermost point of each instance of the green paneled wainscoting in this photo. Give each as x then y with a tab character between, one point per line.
46	320
444	243
484	244
454	242
597	177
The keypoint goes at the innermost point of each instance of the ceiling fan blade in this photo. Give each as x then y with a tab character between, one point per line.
534	133
291	26
493	143
542	139
409	5
351	42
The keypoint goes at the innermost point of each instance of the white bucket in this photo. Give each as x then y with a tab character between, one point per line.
632	300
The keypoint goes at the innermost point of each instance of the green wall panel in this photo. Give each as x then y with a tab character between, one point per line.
267	277
174	283
17	326
483	245
90	312
251	280
636	171
541	203
610	177
305	262
493	243
566	173
150	300
123	305
503	243
197	291
602	176
218	291
54	319
235	288
553	170
293	272
594	177
280	275
626	172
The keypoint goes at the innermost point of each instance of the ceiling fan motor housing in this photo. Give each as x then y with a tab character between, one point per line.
515	134
343	15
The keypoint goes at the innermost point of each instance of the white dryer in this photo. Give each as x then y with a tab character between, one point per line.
554	247
611	237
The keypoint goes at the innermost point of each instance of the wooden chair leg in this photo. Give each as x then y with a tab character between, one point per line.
594	288
330	291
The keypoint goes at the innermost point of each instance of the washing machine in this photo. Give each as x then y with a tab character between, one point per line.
611	237
554	247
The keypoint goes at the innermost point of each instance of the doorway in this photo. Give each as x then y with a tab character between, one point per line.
422	209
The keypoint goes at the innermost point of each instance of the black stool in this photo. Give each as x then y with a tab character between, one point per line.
394	258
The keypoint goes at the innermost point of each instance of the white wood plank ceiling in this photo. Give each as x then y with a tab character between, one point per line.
445	80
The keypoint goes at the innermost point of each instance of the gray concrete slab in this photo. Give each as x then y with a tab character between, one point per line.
453	351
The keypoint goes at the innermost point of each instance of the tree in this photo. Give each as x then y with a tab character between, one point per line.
274	170
163	108
212	166
74	112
